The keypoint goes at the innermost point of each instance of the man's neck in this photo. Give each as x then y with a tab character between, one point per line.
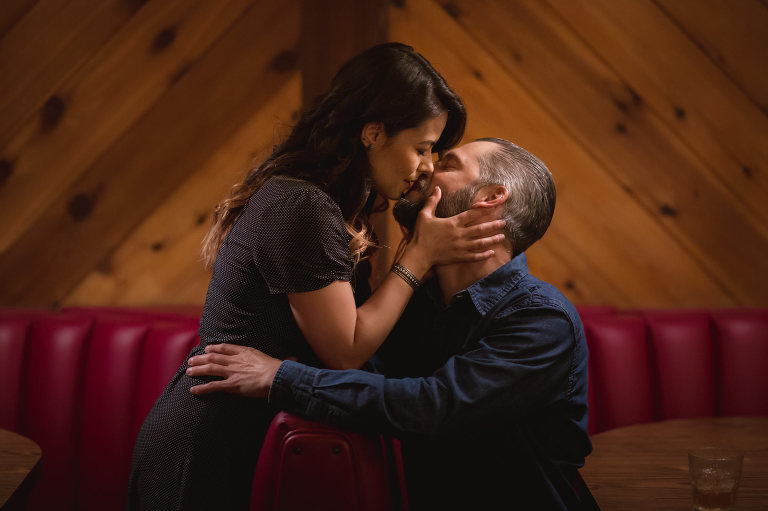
456	277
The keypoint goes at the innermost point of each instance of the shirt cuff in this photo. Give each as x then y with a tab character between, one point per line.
292	386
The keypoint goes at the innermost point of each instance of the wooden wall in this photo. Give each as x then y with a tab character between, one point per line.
122	122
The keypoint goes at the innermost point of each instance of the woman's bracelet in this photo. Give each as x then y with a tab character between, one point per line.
405	274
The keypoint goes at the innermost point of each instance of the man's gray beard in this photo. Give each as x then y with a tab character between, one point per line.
406	211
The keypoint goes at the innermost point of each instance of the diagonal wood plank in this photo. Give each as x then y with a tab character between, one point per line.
51	41
159	263
199	113
682	85
154	49
733	34
333	32
637	147
12	11
599	228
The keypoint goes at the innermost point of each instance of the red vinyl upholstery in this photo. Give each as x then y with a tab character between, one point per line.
683	358
620	366
307	465
14	332
75	388
79	382
111	373
668	364
51	417
742	341
165	347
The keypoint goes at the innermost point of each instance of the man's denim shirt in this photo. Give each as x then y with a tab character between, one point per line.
501	372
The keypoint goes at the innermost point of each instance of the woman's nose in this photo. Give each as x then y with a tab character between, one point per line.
426	167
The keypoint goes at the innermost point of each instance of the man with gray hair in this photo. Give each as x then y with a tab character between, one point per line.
528	208
484	378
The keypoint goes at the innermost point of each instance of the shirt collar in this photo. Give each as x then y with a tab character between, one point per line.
486	292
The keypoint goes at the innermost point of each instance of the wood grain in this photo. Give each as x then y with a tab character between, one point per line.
733	34
18	456
591	230
613	123
123	121
645	466
333	32
48	44
12	12
101	101
714	116
159	263
212	100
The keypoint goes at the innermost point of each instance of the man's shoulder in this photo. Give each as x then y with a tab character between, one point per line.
532	293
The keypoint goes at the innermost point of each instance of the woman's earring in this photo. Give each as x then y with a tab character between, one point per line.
372	147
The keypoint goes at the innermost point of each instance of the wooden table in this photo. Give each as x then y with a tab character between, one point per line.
645	466
18	456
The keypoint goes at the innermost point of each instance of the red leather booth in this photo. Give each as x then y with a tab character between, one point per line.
80	381
665	364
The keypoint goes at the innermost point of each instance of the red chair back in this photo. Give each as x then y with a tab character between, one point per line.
307	465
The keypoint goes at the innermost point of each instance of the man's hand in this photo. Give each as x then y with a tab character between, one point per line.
246	371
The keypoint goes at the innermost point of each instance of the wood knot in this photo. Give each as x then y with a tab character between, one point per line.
104	265
163	40
158	246
400	4
53	111
452	9
478	74
6	169
679	112
284	62
667	210
621	128
636	99
80	207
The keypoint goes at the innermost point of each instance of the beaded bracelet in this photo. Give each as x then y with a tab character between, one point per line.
405	274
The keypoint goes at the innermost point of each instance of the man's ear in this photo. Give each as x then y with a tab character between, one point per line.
372	134
490	196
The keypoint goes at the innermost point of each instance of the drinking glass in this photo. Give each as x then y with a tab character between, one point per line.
715	475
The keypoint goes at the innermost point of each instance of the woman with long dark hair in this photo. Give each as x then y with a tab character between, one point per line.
283	248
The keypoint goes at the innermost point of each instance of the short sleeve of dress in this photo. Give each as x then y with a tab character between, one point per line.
302	243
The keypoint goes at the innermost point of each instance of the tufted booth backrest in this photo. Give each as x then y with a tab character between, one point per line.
85	379
79	382
663	364
742	351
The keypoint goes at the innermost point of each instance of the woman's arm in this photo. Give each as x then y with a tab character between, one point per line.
345	337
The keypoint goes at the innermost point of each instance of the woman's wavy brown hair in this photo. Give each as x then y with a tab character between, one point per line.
388	83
